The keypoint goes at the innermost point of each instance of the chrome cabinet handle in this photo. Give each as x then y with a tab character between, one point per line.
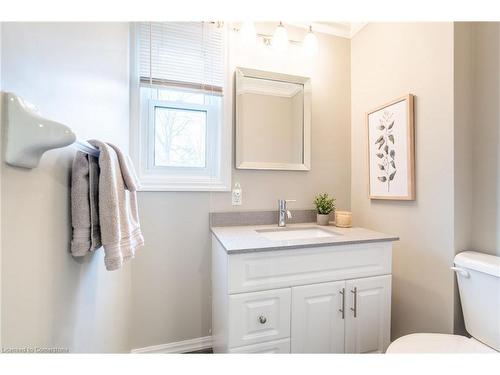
342	310
262	319
355	309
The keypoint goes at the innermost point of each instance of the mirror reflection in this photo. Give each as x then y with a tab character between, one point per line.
270	126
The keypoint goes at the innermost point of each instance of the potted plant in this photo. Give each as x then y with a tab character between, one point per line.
324	205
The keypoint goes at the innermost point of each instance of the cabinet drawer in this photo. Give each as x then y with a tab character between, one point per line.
259	317
279	346
286	268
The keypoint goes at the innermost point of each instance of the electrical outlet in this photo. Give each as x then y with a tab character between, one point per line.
236	196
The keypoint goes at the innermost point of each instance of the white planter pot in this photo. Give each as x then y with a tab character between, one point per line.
322	219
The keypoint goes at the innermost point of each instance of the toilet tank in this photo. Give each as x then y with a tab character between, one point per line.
479	286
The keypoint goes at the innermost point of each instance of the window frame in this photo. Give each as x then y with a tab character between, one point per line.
216	176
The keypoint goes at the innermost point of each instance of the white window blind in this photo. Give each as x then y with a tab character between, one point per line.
182	54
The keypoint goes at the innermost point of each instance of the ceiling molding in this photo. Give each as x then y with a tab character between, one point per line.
342	29
356	27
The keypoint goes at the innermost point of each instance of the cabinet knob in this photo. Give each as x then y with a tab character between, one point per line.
262	319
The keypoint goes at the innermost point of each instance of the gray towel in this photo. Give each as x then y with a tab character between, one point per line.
118	215
84	205
104	205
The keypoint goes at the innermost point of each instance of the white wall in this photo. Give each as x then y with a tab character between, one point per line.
388	61
171	276
76	74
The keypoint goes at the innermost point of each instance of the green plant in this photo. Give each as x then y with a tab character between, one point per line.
324	203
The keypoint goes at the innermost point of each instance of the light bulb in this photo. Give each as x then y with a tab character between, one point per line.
248	34
280	38
311	43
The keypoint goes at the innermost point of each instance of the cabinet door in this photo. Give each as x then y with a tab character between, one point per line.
317	319
368	314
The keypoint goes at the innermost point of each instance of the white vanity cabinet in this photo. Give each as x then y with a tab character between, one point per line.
324	299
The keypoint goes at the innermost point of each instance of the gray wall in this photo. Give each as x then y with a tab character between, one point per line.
477	131
476	138
1	153
76	74
485	123
463	136
171	275
388	61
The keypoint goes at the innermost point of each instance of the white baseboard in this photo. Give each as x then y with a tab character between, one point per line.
185	346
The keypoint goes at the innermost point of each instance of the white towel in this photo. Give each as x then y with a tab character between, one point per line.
118	215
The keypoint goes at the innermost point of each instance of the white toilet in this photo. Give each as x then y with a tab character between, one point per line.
479	284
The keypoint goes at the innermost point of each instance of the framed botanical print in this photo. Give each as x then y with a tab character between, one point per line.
391	150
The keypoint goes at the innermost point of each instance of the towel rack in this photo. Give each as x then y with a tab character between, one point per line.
86	147
29	135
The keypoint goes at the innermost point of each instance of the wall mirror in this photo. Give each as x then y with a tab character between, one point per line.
273	121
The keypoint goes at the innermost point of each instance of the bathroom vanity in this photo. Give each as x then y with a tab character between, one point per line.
300	289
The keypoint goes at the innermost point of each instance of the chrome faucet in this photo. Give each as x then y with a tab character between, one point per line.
283	212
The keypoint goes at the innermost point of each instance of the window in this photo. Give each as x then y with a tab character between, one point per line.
180	139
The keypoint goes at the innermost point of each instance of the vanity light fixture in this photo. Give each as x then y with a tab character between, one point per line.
311	43
280	38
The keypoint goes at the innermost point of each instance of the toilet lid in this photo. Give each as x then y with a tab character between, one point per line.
437	343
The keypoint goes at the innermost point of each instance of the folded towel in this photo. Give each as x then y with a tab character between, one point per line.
84	205
118	215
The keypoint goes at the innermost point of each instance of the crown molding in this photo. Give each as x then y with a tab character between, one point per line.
356	27
342	29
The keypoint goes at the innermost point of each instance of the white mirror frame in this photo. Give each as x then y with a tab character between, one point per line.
306	145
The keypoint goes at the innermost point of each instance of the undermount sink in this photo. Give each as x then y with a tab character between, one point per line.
304	233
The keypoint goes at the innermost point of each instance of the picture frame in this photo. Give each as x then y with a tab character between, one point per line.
391	150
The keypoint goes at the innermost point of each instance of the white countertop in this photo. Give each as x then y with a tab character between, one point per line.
241	239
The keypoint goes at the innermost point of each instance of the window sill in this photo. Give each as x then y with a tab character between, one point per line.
159	184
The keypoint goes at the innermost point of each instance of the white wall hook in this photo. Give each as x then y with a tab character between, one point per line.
29	135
